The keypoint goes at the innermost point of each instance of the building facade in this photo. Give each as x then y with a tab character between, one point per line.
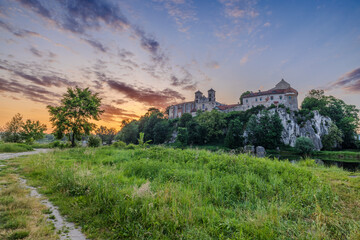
282	93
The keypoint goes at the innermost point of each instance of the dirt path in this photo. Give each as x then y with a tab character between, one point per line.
66	229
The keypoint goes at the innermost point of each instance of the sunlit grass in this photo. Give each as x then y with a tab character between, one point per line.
162	193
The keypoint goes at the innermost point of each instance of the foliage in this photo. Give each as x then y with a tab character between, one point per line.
242	95
182	136
32	131
72	117
119	144
142	143
333	139
214	123
13	129
185	119
234	135
304	146
129	132
94	141
161	131
264	130
106	134
346	117
171	193
14	147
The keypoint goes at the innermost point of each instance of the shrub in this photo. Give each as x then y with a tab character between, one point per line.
182	136
131	146
304	145
94	141
119	144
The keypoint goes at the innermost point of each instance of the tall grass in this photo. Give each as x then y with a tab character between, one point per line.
162	193
14	147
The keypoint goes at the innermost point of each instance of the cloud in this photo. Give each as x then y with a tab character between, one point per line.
111	113
119	101
349	81
97	45
34	93
244	59
239	8
36	75
181	11
18	32
80	16
146	95
213	64
36	52
267	24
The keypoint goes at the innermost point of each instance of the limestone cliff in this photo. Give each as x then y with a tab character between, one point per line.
313	127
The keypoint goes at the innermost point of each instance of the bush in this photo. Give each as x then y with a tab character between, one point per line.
119	144
60	144
304	145
131	146
14	147
94	141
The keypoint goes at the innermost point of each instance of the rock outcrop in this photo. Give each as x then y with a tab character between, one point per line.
313	128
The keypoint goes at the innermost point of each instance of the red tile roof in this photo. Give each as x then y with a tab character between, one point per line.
271	91
225	107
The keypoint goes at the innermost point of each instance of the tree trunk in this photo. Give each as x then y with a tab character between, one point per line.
73	140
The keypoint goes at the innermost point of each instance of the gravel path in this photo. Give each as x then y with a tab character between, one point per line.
67	229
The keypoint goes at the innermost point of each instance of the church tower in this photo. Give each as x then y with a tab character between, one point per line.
198	96
211	95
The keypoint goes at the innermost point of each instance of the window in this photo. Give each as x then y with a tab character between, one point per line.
203	106
247	101
272	98
260	99
289	97
255	99
280	97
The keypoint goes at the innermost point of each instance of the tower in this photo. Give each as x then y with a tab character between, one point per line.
198	96
211	95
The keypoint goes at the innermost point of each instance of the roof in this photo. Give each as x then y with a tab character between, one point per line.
211	90
271	91
225	107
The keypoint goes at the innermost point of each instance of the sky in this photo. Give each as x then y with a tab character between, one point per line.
139	54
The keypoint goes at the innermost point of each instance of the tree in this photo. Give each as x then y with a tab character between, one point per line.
333	139
13	129
264	130
129	132
161	131
32	131
185	118
346	117
72	117
214	123
304	146
94	141
242	95
107	135
182	136
234	134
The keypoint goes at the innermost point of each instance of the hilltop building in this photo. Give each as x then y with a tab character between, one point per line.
282	93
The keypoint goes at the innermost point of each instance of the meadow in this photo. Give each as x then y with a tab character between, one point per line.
165	193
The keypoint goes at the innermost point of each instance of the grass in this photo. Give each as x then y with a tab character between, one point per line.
14	147
20	215
162	193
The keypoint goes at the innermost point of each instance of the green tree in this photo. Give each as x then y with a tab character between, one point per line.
304	146
234	134
333	139
161	131
264	130
72	118
185	118
32	131
182	136
106	134
129	132
242	96
12	130
214	123
346	117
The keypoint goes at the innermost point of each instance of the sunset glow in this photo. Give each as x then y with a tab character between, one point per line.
153	53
